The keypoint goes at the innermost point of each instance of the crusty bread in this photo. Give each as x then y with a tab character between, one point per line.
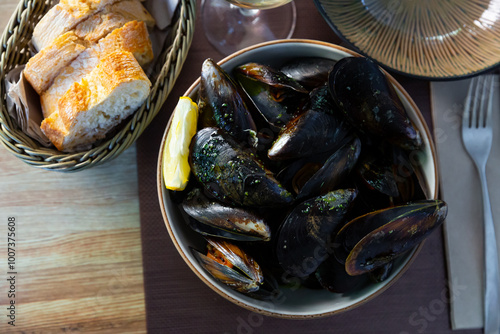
72	14
63	17
112	17
42	68
72	73
132	37
111	92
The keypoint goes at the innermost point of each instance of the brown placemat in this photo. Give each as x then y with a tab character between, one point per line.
178	302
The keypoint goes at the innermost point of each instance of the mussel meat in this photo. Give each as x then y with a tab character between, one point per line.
231	266
276	96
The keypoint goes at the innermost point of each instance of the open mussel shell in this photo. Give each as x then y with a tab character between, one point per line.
222	106
310	72
233	266
276	96
305	237
370	102
335	169
231	174
224	220
296	173
374	239
317	129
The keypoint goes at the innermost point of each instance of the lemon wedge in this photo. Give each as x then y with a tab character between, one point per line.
175	156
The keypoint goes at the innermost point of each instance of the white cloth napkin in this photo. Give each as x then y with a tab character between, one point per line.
460	188
162	11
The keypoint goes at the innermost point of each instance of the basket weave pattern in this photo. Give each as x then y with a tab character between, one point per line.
14	51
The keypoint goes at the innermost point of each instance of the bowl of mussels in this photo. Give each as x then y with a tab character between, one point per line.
313	180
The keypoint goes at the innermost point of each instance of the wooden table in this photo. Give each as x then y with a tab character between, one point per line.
78	259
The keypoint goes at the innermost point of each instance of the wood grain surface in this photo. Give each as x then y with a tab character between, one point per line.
78	258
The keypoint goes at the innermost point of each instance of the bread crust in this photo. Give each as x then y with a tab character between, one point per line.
63	17
99	102
88	71
132	37
112	17
41	69
68	14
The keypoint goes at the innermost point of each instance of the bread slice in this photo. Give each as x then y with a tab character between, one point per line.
67	14
42	68
132	37
99	102
63	17
112	17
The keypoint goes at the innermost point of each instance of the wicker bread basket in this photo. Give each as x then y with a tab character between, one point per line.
14	51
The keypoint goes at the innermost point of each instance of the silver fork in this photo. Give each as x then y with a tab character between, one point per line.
477	135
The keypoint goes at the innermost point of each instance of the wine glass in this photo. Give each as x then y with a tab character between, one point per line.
231	25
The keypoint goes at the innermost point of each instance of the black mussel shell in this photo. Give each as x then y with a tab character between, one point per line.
377	173
409	176
319	128
305	237
380	274
269	290
224	220
231	174
332	276
276	96
334	171
295	174
370	102
222	106
377	238
310	72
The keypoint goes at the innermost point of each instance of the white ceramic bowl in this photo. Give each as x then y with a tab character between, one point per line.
300	303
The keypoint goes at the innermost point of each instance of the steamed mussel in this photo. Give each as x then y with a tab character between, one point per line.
217	219
305	235
310	72
370	102
231	174
227	263
376	238
276	96
334	200
318	122
221	105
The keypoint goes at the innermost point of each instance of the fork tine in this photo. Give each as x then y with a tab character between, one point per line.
467	105
484	109
476	101
490	101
